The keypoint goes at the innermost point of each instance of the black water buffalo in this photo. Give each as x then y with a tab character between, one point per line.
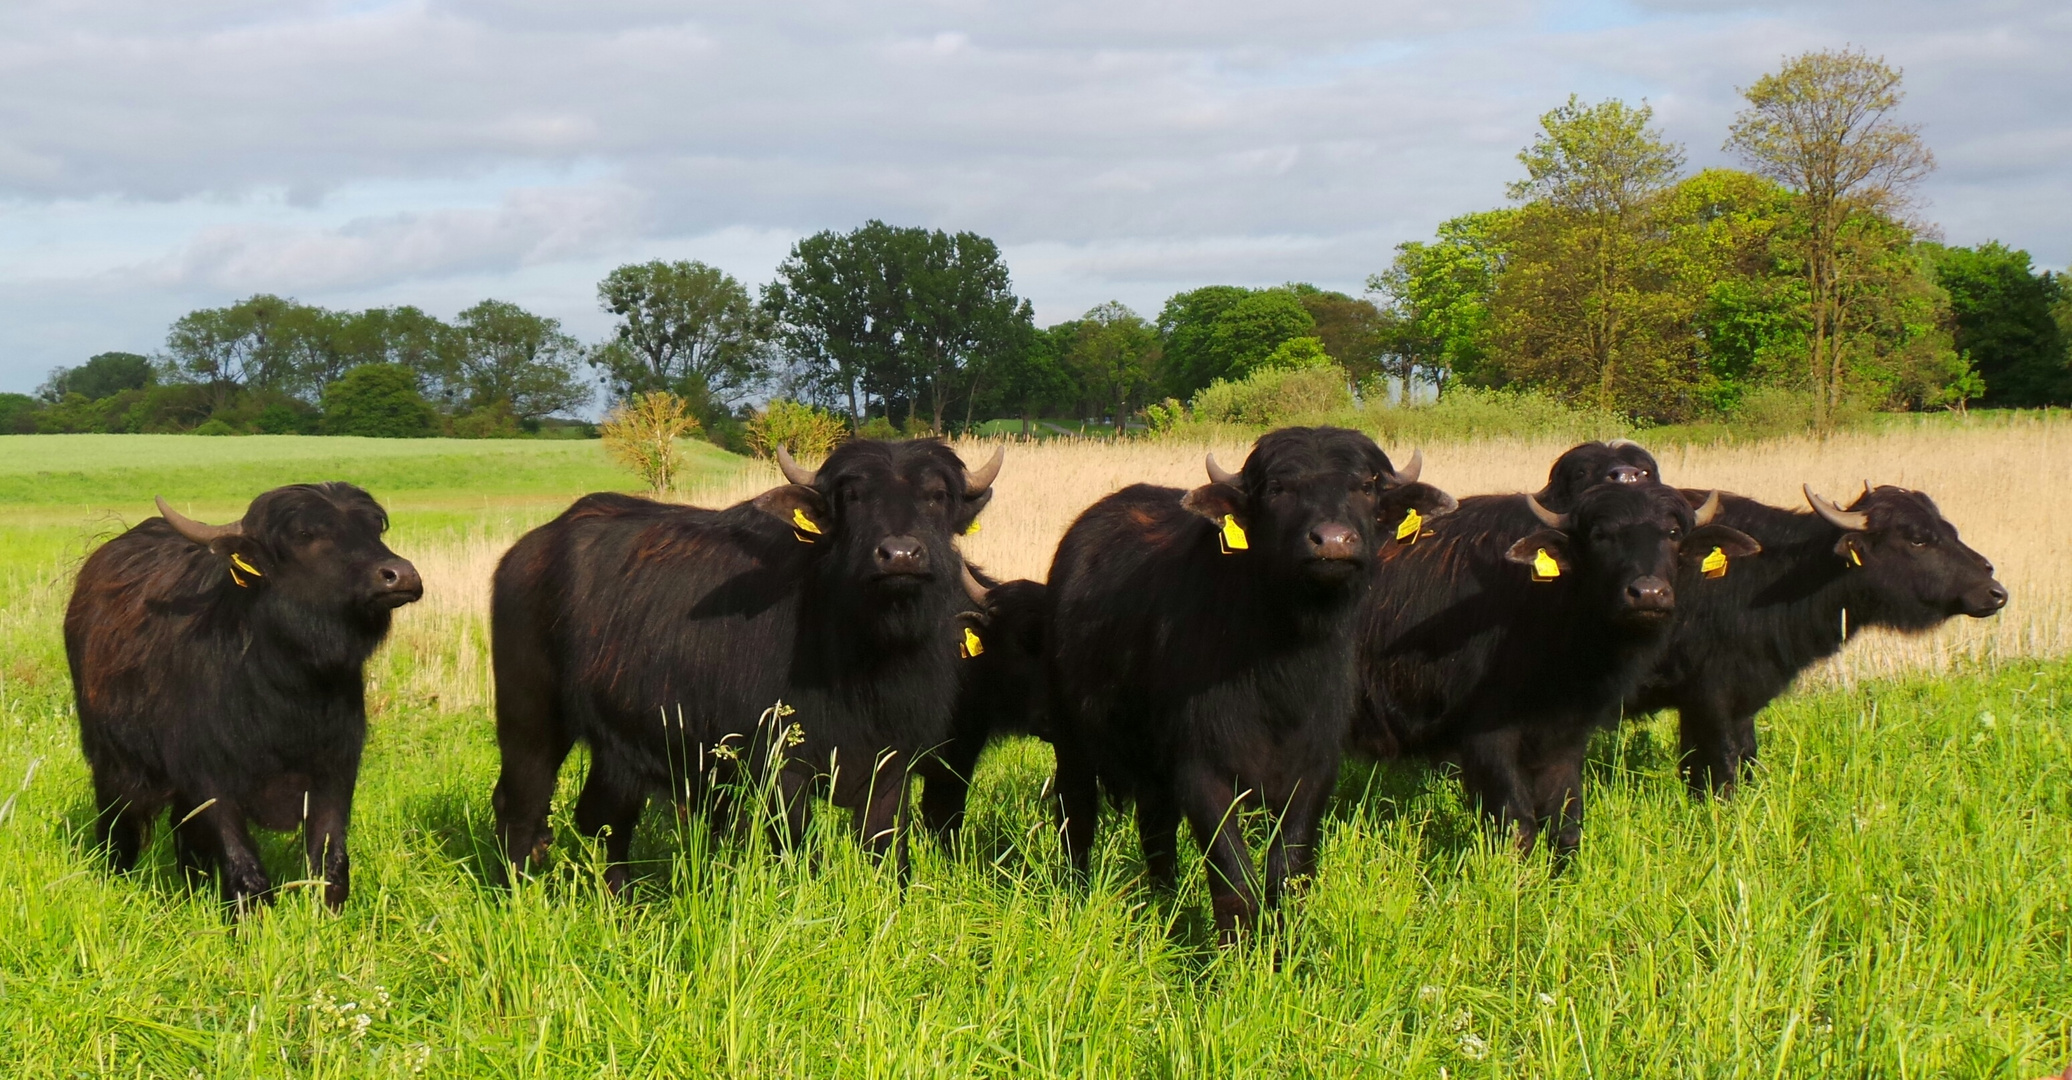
1504	637
217	670
1003	690
1201	659
659	634
1889	560
1621	461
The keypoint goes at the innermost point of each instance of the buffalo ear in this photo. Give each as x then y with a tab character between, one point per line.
1734	543
1215	502
1428	501
1554	542
1851	548
798	506
974	501
248	559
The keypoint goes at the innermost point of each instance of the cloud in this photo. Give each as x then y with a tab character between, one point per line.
342	149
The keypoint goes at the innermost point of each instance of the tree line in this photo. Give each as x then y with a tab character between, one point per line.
1615	279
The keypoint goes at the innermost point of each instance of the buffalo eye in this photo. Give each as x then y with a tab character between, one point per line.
1920	537
1274	489
1368	485
1675	532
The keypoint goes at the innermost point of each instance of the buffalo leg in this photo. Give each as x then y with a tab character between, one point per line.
882	821
946	788
525	792
215	832
118	828
609	808
1558	796
1490	773
1079	805
1211	806
1292	855
1706	734
323	844
1158	832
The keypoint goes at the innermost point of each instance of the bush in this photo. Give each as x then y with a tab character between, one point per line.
213	426
380	400
1464	412
17	414
642	432
1272	396
284	418
800	428
880	428
492	421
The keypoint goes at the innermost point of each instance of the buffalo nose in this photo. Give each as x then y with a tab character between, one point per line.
1990	599
1335	541
902	555
1650	594
399	578
1627	474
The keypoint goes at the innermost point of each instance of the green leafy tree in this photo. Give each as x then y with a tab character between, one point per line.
408	336
1113	356
508	354
231	349
1435	302
1823	126
103	375
1248	331
834	309
1186	328
684	327
1581	307
1034	380
1353	330
2005	322
379	400
18	414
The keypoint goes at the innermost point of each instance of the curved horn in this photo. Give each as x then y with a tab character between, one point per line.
1547	517
195	530
1219	475
1709	508
981	478
793	471
1407	475
972	588
1845	520
1618	443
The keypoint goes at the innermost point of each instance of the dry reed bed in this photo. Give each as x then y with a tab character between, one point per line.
1997	484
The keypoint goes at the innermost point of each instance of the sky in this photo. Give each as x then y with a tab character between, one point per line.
156	158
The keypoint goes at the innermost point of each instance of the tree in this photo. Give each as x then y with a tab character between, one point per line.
232	349
641	433
1436	302
405	335
832	305
1113	354
1185	329
684	327
1352	329
1822	126
509	354
2005	323
1579	307
1033	379
379	400
103	375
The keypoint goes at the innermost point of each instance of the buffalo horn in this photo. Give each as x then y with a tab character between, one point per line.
1407	475
195	530
1618	443
793	471
1220	475
1547	517
1709	508
972	588
981	478
1845	520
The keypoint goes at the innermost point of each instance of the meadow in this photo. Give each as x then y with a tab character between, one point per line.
1887	899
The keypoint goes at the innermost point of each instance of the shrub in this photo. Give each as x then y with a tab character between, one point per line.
1272	396
1295	354
17	414
282	418
641	434
801	428
492	421
379	400
880	428
1465	412
214	426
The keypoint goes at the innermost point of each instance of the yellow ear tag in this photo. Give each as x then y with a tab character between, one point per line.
803	525
971	646
1233	535
1544	568
1854	557
971	528
1715	564
237	562
1408	531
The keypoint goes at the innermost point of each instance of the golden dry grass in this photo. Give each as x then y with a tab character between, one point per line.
1998	484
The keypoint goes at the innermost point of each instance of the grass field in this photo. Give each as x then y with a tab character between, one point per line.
1889	899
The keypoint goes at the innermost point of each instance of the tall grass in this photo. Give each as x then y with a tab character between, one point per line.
1888	899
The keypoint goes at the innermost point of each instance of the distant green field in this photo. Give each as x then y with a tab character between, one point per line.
1888	899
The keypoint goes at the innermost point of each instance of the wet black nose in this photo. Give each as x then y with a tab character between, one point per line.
1650	594
398	581
902	555
1627	474
1335	541
1988	600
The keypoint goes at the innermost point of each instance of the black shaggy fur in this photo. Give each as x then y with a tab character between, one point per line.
657	634
1193	680
1741	640
233	703
1004	690
1587	465
1465	657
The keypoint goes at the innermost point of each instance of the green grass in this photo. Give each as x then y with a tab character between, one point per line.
1890	899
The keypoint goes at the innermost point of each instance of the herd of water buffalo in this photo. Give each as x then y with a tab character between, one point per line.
1193	652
